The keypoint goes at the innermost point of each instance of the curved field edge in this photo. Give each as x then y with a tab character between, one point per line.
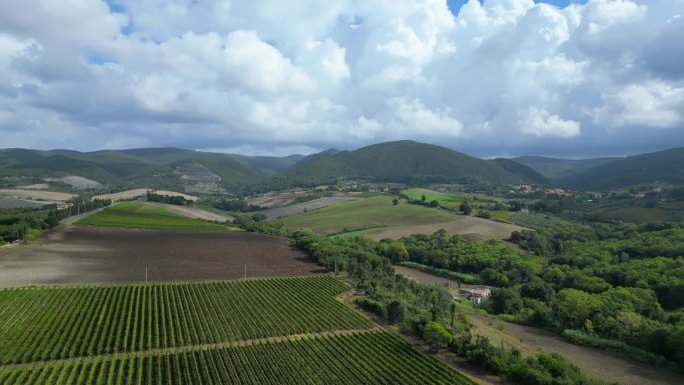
376	211
329	359
57	323
144	216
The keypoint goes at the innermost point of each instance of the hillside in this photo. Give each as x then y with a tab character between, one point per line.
160	168
555	168
663	167
409	162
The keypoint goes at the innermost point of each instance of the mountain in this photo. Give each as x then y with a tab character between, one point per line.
555	168
409	162
163	168
662	167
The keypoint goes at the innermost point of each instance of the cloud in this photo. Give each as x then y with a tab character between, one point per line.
653	104
498	76
542	123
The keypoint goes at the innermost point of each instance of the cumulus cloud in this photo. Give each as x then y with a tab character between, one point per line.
491	77
542	123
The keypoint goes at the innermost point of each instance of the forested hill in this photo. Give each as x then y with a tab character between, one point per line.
555	168
663	167
163	168
411	162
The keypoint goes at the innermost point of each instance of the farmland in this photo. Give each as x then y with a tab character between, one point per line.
88	255
471	228
328	359
444	199
141	192
285	331
304	207
76	322
144	216
364	213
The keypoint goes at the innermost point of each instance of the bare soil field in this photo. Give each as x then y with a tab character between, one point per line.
192	212
299	208
596	363
471	228
37	195
37	186
14	203
89	255
273	200
141	192
421	276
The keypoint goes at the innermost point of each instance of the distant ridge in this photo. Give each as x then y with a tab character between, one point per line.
410	162
662	167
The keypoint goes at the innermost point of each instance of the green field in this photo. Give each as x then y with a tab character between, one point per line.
266	331
446	200
143	216
365	213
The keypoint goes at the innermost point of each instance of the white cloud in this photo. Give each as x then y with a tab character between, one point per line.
259	74
653	104
540	122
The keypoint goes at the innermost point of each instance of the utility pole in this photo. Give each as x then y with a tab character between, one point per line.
335	266
145	274
245	271
30	271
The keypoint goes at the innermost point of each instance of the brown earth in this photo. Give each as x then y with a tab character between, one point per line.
273	200
36	194
471	228
91	255
141	192
300	208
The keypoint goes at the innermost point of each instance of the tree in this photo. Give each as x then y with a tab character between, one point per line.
574	307
465	208
437	336
51	219
395	312
506	301
434	203
395	201
423	198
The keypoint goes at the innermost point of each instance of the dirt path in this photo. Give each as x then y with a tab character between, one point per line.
595	363
189	348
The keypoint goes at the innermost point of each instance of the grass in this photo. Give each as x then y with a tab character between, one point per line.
363	214
143	216
446	200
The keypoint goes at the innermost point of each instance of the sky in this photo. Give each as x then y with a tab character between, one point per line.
489	78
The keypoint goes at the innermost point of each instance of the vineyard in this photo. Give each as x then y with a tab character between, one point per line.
265	331
359	358
50	323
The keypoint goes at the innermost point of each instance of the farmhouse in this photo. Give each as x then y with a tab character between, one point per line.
476	295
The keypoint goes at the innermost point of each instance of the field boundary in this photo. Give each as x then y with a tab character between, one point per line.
191	348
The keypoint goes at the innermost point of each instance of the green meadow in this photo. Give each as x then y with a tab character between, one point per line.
378	211
143	216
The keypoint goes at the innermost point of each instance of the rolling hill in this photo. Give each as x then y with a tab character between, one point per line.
409	162
662	167
555	168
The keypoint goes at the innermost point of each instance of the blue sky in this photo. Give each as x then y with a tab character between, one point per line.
504	78
455	5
